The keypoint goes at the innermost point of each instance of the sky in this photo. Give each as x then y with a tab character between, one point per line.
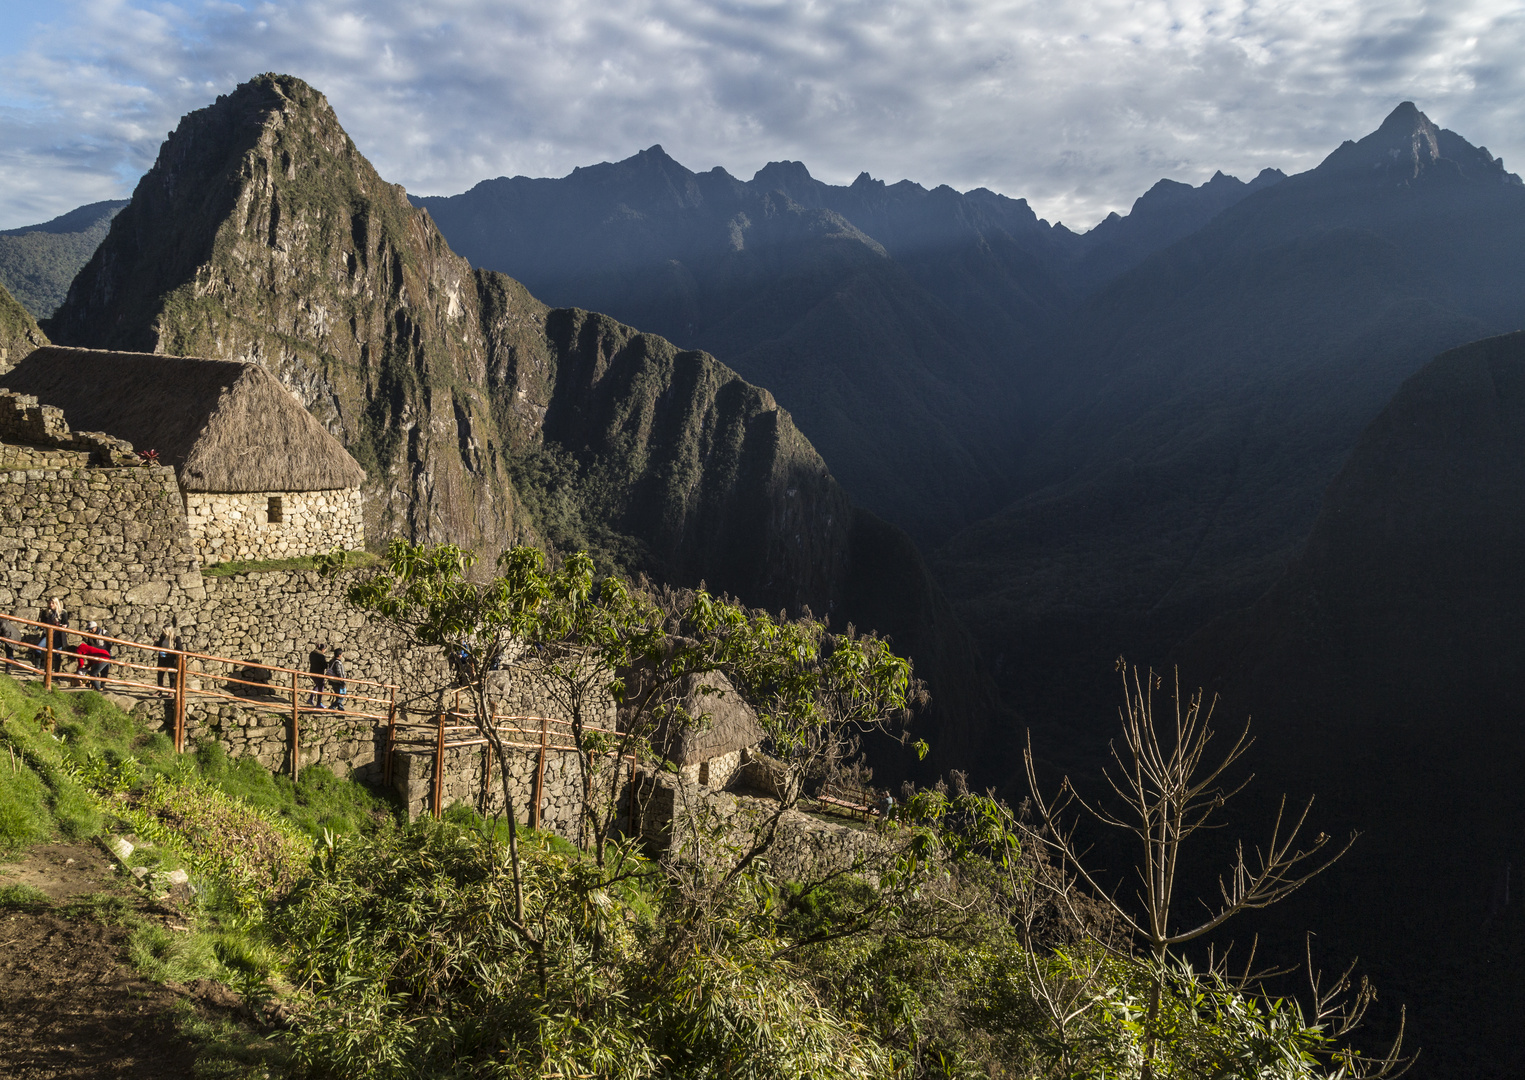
1076	106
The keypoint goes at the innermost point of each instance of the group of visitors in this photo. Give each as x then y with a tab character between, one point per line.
93	655
327	672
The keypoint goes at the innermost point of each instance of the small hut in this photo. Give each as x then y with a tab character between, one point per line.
712	743
261	478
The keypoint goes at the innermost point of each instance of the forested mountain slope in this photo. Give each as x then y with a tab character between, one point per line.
481	415
19	333
1203	401
1383	671
37	262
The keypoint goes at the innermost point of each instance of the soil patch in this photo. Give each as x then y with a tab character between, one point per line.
70	1003
60	871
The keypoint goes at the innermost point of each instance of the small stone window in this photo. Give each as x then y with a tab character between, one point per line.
275	510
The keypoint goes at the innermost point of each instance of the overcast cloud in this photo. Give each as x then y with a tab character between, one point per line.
1077	107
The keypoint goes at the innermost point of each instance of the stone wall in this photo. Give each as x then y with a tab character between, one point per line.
464	776
244	526
683	820
110	542
25	422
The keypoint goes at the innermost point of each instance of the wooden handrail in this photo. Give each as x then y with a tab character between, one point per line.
188	653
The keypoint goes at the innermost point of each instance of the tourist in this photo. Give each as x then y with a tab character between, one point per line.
317	664
94	659
55	620
336	675
9	636
166	657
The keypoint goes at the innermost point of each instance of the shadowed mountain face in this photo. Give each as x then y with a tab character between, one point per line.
482	416
1201	402
1384	671
897	324
37	262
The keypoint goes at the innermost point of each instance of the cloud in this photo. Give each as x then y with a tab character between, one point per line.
1077	107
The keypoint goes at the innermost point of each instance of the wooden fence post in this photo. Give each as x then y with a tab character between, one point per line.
47	667
180	672
386	769
439	767
539	776
296	738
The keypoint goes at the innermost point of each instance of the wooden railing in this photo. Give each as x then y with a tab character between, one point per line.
194	677
454	729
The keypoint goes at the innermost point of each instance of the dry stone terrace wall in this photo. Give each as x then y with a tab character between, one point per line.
682	820
111	542
560	793
243	527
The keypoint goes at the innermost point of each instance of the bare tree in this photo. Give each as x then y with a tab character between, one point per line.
1170	789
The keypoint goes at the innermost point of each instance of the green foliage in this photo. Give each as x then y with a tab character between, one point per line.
305	562
220	836
21	898
415	970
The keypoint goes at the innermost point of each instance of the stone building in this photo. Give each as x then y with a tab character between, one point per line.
259	477
708	740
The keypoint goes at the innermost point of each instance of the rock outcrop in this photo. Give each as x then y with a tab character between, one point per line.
19	333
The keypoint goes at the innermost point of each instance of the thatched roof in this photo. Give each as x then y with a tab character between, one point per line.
225	425
722	723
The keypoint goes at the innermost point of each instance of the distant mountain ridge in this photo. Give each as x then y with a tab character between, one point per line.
37	262
481	415
1199	403
896	322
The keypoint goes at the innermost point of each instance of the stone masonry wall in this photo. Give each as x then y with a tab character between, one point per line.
682	820
237	527
560	800
110	542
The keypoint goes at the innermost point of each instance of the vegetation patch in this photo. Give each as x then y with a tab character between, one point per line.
262	566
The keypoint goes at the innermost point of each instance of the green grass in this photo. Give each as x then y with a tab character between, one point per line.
21	898
261	566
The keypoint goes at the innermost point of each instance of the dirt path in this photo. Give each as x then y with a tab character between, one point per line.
70	1004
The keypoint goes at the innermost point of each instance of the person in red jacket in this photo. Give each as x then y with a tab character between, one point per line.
94	659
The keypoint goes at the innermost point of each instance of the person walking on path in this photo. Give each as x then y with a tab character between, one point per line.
11	635
55	620
94	658
166	657
317	664
336	678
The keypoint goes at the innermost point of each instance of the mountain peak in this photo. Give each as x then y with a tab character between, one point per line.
1407	146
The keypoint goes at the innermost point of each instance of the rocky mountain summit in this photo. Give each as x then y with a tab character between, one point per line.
481	415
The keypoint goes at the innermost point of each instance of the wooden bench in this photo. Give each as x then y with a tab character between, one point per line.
855	809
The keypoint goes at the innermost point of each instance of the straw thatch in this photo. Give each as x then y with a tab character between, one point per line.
225	425
722	722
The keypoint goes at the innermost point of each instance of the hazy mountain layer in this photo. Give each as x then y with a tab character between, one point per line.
1205	399
37	262
481	415
1383	670
19	333
896	323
